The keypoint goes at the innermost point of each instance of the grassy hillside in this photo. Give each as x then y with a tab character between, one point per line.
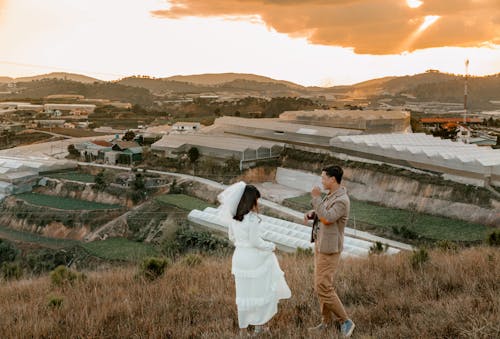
453	295
101	90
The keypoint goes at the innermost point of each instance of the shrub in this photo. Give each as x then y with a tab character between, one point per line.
419	258
304	252
8	252
171	248
192	260
447	246
405	232
378	248
11	271
494	238
55	302
47	259
62	276
201	240
153	267
175	188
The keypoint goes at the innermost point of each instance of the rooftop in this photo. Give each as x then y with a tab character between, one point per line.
220	141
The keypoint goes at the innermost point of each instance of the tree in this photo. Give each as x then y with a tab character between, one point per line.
129	136
73	151
99	180
139	182
193	154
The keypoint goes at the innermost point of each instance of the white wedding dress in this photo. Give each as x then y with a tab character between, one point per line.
260	283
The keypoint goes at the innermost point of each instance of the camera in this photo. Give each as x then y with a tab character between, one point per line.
311	216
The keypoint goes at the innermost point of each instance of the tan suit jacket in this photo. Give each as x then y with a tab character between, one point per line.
332	212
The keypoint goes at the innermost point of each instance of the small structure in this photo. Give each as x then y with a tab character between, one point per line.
92	150
122	152
186	127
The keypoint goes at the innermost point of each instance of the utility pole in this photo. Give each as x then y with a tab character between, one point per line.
465	89
466	130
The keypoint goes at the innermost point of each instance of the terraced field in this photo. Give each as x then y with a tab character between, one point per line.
183	201
63	203
425	225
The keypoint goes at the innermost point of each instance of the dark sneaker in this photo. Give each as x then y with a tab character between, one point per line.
346	328
319	328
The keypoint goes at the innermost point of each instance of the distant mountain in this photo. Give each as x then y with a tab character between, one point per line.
249	84
222	78
100	90
429	86
5	79
394	85
59	75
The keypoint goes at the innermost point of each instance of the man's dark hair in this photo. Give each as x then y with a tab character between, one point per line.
334	171
247	202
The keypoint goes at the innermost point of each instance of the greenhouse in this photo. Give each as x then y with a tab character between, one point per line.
462	162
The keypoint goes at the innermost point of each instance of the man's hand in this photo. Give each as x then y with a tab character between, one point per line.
316	192
308	216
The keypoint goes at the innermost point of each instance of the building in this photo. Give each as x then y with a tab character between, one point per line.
124	152
50	123
367	121
466	163
75	109
219	147
12	127
278	130
91	150
19	174
432	124
186	127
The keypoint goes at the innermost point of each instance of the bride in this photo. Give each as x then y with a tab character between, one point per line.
260	283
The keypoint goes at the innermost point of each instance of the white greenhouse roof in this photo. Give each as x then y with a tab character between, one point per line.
9	164
284	126
214	141
423	148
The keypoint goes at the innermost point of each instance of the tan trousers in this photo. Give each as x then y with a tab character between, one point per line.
325	266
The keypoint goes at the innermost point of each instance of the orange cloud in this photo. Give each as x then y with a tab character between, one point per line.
367	26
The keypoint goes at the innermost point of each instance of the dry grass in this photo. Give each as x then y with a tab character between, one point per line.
454	295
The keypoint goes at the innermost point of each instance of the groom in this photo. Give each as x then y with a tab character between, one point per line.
330	218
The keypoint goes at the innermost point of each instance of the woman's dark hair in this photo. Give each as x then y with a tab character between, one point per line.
247	202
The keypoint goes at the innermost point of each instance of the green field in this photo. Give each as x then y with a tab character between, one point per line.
74	176
120	249
183	201
109	249
10	234
63	203
425	225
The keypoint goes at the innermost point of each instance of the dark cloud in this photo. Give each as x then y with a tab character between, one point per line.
367	26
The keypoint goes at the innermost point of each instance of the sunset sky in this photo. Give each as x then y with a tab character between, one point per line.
310	42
